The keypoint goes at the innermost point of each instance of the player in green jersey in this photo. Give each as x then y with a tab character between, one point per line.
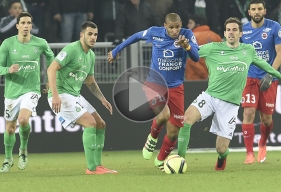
20	63
228	64
71	67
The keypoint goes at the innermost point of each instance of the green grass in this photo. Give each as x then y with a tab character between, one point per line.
66	172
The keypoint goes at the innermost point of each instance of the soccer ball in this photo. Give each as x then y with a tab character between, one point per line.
174	164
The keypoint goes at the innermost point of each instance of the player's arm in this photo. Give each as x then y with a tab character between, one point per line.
189	43
49	58
52	71
131	40
277	61
95	90
3	60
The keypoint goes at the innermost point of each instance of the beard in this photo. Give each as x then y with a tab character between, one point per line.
257	21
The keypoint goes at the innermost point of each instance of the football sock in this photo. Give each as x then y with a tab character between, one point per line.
224	155
155	129
24	135
9	142
183	139
89	143
99	145
265	131
248	131
166	148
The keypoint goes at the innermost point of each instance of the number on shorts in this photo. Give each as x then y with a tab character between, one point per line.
7	113
250	98
201	103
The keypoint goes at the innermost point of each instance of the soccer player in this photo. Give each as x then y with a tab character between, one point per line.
20	62
228	64
171	45
261	89
71	67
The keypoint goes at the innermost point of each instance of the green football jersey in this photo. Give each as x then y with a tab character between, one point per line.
27	55
228	69
76	66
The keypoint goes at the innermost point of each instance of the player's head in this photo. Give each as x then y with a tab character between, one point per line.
24	23
15	8
195	21
89	34
232	30
173	25
257	10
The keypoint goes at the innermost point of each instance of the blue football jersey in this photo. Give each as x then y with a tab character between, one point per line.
264	40
168	58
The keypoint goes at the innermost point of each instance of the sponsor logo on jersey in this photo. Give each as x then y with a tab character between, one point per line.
233	58
266	29
169	64
80	60
269	104
25	56
257	45
27	68
144	33
279	33
78	75
247	32
168	53
231	69
247	37
264	35
157	38
61	55
222	53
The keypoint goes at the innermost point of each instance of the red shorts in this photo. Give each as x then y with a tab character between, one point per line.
175	102
262	101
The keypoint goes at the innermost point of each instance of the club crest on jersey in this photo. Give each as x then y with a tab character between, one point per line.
175	43
35	50
244	52
193	39
264	35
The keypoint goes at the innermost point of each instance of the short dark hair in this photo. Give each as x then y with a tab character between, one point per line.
88	24
23	14
233	20
12	2
257	2
199	19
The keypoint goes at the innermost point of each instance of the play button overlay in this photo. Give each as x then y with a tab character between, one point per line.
137	93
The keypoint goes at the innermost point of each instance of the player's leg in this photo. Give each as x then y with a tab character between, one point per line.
27	108
12	108
157	101
9	142
266	107
250	99
223	125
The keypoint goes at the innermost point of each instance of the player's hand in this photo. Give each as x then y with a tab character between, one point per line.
47	88
182	41
14	68
107	105
56	103
265	82
110	58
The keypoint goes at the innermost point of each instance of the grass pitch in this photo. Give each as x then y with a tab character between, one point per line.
66	172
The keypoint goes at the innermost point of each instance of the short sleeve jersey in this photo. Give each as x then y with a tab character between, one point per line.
228	69
264	40
168	58
27	55
76	66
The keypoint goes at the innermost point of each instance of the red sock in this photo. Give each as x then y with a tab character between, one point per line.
265	131
166	148
248	134
155	129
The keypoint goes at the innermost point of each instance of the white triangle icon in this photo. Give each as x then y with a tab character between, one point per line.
137	96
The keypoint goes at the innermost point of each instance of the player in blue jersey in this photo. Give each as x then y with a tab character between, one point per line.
171	46
261	89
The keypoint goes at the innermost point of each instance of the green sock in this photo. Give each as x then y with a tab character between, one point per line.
9	142
224	155
24	135
89	143
100	145
183	139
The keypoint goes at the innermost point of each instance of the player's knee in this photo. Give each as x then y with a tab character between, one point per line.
266	120
23	121
10	129
101	124
249	114
172	136
190	117
221	149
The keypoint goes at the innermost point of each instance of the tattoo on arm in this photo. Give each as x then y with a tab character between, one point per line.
94	88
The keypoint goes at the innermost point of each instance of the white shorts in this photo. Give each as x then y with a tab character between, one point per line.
225	114
26	101
72	108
